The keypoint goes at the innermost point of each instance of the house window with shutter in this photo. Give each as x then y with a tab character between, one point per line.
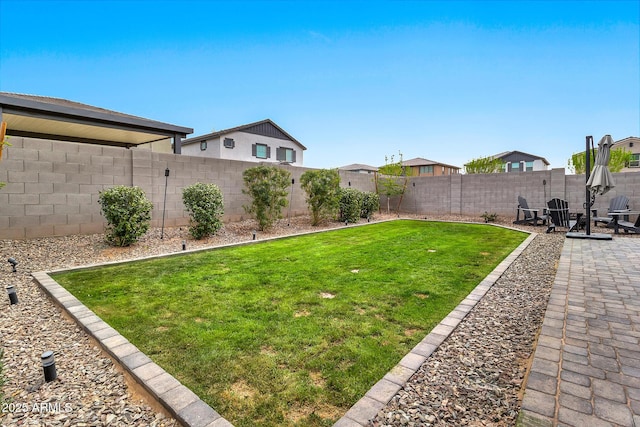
284	154
529	166
229	143
261	151
203	145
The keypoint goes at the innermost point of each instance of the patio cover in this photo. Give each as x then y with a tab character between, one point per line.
60	119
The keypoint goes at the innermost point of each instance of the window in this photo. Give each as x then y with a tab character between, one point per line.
529	166
635	161
229	143
203	145
426	170
284	154
515	166
261	151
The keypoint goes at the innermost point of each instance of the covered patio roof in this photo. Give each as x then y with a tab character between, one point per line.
60	119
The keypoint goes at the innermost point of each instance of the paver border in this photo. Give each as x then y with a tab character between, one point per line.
191	411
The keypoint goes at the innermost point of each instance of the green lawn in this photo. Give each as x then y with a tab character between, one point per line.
292	332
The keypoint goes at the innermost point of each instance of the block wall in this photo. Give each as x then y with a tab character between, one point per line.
52	187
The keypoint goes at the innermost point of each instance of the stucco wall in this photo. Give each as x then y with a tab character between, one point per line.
242	149
52	187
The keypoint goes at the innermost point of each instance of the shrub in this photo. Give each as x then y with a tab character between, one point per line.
370	204
205	205
350	204
322	187
267	187
128	214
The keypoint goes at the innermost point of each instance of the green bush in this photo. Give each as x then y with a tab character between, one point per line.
350	204
128	214
205	205
267	186
322	187
370	204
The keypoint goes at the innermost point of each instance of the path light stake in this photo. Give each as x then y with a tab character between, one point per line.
184	245
13	296
164	207
13	263
49	366
254	235
293	181
415	199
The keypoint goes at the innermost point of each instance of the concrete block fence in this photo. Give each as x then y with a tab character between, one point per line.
52	187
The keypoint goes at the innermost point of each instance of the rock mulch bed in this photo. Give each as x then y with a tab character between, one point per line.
473	379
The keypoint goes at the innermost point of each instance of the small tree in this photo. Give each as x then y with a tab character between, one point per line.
393	180
484	165
322	187
205	205
619	158
267	186
128	214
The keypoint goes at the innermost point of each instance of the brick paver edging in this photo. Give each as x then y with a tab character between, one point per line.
191	411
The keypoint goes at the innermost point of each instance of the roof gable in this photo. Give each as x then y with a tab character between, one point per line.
520	155
264	127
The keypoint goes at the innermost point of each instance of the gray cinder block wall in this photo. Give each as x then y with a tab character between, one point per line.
52	187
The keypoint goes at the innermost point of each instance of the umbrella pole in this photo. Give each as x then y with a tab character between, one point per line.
587	199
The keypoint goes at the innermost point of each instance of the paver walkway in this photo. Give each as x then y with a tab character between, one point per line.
586	368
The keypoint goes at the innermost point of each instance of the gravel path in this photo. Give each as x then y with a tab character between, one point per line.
473	379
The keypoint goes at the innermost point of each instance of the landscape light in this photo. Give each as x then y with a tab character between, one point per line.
49	366
184	245
254	235
13	296
13	263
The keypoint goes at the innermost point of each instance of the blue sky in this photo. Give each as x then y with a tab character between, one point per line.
353	81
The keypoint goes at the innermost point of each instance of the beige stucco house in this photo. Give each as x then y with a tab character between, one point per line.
631	143
262	141
426	167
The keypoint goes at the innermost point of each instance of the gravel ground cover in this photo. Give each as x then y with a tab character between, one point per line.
475	378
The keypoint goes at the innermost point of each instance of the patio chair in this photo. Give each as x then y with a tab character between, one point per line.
629	227
618	203
558	211
529	216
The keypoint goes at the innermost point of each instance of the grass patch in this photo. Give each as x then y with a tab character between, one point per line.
292	332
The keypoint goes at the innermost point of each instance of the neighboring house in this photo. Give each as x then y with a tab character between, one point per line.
632	144
262	141
517	161
360	168
425	167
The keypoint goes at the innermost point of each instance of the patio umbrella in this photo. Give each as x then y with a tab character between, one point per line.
600	181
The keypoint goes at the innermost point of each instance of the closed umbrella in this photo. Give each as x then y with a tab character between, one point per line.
600	181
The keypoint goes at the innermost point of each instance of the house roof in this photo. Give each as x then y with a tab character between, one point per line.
55	118
419	161
509	153
260	128
627	140
358	167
